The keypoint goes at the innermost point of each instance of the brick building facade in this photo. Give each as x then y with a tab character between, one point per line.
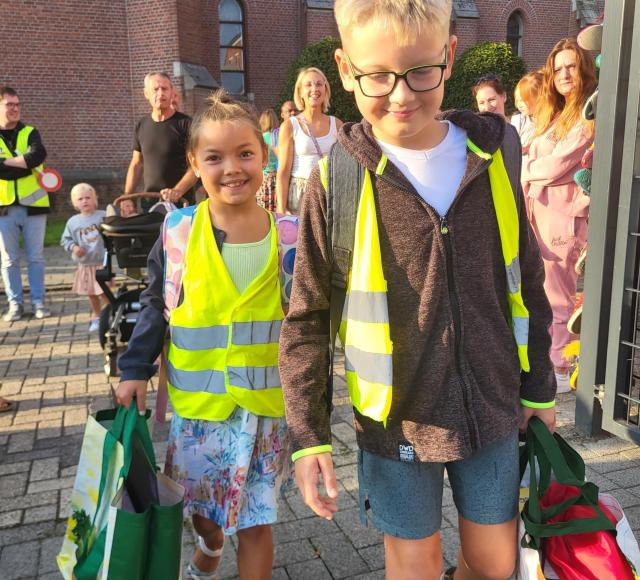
79	66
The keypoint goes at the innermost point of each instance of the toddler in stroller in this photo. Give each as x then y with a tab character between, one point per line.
129	240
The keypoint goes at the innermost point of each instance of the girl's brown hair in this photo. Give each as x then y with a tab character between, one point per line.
553	108
222	107
268	120
529	88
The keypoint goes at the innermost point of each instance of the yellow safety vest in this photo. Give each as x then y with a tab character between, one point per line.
364	330
26	188
223	350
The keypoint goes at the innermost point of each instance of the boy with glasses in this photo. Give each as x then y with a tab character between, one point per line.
445	324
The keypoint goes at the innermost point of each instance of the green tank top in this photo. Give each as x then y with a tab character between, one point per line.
244	262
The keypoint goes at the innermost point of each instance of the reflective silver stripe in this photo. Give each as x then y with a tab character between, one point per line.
202	338
367	306
513	275
521	330
371	366
254	378
256	332
37	195
208	381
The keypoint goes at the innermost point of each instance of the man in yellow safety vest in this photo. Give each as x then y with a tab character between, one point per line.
23	207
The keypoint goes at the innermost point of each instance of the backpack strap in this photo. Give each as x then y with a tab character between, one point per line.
345	177
175	235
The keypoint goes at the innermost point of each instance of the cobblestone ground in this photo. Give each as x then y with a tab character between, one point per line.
53	370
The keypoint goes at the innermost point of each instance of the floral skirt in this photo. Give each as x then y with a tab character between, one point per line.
233	471
266	195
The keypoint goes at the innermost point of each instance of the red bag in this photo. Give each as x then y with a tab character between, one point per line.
585	556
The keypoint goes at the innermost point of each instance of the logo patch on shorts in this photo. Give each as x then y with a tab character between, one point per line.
406	452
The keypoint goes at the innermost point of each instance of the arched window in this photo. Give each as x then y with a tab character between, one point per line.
515	31
231	46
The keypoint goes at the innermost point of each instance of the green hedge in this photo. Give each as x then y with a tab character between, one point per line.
486	58
320	55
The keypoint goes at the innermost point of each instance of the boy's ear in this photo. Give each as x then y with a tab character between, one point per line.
451	54
343	68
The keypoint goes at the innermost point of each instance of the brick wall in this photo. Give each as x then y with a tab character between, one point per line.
79	65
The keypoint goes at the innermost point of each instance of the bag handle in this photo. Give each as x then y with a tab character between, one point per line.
552	453
305	124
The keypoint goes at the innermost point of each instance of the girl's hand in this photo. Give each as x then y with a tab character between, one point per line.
79	251
128	389
548	417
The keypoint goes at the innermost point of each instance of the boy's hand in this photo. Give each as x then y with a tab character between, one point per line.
308	470
128	389
79	251
548	417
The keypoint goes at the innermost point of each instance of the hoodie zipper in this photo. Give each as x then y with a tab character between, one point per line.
454	300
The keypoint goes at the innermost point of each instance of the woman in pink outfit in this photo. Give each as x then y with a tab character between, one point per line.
558	208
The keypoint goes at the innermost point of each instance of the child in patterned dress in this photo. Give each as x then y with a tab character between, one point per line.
228	443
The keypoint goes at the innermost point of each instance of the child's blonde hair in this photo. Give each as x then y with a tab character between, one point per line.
222	107
79	188
268	120
297	89
405	18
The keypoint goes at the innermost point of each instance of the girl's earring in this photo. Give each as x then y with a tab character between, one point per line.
197	173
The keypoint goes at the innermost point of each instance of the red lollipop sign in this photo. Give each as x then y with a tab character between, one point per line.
49	179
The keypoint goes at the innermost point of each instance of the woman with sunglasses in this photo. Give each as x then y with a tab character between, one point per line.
557	207
304	139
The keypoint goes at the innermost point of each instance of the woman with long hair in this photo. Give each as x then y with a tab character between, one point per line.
557	207
304	139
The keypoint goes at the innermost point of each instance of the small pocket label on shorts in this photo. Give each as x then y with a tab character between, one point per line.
406	452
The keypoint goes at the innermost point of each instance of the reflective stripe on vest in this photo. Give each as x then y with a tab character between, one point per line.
27	188
509	227
224	345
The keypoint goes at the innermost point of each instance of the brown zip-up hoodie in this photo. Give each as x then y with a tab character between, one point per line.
456	377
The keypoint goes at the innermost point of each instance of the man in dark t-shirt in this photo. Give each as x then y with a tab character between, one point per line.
159	146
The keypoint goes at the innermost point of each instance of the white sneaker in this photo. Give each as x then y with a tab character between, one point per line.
40	311
14	313
94	325
564	383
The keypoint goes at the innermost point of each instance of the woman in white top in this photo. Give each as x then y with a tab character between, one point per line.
305	138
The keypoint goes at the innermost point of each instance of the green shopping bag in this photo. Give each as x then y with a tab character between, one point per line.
546	453
110	538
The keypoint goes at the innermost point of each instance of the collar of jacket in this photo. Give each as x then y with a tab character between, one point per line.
486	130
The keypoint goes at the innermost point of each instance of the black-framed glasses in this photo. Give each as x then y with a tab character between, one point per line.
419	79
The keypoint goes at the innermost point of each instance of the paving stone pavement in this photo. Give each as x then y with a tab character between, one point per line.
52	368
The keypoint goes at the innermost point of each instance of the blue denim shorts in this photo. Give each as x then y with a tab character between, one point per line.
404	499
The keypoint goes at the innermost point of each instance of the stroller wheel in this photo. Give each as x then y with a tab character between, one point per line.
104	324
110	365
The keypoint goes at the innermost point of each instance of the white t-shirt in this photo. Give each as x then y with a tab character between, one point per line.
435	173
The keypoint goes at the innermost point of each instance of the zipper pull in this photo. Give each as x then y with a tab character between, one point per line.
444	227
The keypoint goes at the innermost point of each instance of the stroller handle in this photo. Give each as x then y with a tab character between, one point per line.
155	194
